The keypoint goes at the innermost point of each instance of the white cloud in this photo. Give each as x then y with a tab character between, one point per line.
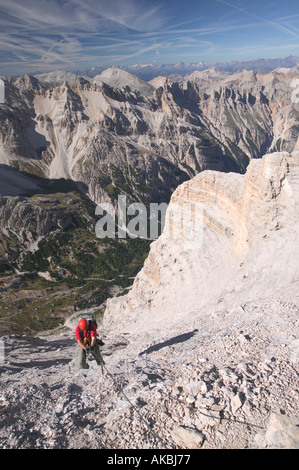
55	31
277	23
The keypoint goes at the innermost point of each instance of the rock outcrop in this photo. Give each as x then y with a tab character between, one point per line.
247	248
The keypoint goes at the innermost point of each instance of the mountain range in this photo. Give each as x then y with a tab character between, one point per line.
150	71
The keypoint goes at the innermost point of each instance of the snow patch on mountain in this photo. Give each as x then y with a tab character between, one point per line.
120	78
57	76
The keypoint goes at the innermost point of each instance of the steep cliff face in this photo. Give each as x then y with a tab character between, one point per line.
247	249
90	132
260	100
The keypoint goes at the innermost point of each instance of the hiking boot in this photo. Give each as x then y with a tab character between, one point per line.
84	366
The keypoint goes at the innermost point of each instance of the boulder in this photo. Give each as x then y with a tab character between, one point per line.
187	438
282	432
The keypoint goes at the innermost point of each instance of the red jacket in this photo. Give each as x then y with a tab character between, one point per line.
81	334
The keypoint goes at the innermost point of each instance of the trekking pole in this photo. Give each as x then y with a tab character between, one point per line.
99	358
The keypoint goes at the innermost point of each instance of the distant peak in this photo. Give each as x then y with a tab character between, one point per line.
57	76
119	78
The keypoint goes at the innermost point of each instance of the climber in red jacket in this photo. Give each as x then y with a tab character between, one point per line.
86	336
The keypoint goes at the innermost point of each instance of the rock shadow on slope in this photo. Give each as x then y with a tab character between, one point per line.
170	342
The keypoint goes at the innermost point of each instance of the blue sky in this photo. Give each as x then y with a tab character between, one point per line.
43	35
